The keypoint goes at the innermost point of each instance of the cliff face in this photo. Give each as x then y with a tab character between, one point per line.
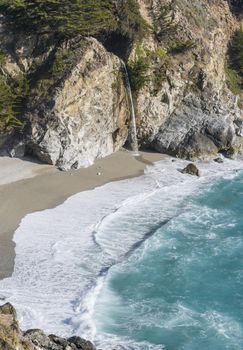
77	110
83	115
193	114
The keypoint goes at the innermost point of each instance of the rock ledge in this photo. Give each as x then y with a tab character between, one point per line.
12	338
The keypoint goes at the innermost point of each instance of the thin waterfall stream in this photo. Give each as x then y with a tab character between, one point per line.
132	111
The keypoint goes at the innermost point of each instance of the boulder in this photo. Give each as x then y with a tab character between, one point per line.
218	160
191	169
81	344
38	338
230	153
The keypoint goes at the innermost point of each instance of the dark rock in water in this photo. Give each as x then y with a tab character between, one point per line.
218	160
230	153
38	338
81	343
11	337
59	341
191	169
53	342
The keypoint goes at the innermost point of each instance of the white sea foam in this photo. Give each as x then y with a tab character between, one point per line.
224	325
63	254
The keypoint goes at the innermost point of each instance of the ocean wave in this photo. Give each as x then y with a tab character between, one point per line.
64	254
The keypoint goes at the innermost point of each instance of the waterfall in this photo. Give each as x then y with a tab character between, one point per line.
132	111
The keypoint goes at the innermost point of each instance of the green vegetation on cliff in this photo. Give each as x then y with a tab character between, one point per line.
63	17
68	18
12	92
164	24
181	46
234	66
7	105
57	21
237	5
237	52
138	73
148	66
129	20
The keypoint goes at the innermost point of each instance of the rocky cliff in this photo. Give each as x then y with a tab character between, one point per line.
76	108
193	113
11	337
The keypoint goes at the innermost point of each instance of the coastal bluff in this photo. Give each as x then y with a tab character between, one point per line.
12	338
72	102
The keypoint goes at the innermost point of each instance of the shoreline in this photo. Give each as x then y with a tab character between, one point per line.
62	251
45	187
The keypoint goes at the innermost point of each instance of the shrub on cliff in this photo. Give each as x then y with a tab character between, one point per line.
8	106
129	21
146	66
234	66
236	5
64	17
12	92
236	52
138	69
138	73
181	46
68	18
164	24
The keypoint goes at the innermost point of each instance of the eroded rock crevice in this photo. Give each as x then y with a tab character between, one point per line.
118	44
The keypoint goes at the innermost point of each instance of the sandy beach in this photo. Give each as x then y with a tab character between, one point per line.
27	186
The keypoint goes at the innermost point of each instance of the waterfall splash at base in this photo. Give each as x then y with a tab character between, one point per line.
132	111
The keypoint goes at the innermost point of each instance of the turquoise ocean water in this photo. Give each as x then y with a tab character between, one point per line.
182	287
148	263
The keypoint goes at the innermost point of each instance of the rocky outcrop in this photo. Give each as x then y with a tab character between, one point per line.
11	337
193	114
84	116
77	110
191	169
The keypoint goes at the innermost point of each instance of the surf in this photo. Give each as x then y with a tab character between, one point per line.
64	255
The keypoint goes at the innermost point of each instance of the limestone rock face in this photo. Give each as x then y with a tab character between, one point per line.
83	117
197	131
11	337
77	108
193	113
